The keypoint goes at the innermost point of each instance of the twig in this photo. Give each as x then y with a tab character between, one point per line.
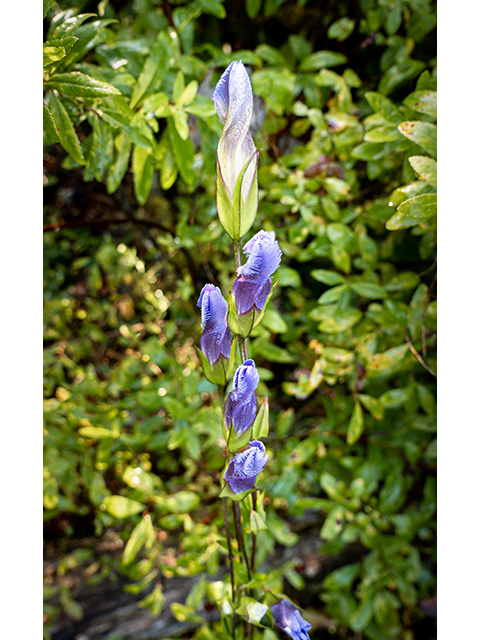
62	224
417	355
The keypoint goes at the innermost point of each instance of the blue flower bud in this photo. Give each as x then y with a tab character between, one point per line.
288	618
243	468
216	339
253	286
241	405
237	156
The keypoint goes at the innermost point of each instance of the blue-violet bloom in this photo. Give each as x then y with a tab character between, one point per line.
254	284
241	405
236	153
243	468
288	618
216	339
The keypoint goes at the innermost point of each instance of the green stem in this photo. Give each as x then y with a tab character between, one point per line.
239	530
242	342
230	559
254	535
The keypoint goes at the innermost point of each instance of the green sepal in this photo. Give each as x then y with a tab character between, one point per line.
259	316
235	216
243	325
226	492
216	374
239	325
259	429
260	426
231	361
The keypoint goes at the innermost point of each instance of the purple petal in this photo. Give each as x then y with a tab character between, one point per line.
245	380
233	101
239	485
243	414
249	294
229	471
288	618
264	257
257	444
250	462
213	305
217	338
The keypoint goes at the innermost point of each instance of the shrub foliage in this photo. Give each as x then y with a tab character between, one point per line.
345	112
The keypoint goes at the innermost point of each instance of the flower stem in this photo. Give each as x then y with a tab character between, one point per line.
242	342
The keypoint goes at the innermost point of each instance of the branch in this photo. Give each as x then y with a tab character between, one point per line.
62	224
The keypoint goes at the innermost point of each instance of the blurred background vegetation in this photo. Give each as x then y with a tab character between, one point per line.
345	112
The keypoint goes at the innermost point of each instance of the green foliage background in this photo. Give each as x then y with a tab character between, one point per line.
346	118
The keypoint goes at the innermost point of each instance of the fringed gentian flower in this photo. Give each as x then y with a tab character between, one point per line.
288	618
254	284
216	339
243	468
237	156
241	405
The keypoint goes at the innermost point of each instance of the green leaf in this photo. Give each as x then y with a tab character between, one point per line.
253	7
46	6
143	534
118	169
66	131
76	84
355	428
399	74
70	24
361	616
156	65
181	124
425	167
188	95
121	507
97	433
55	50
402	281
251	609
215	7
169	170
178	86
327	277
118	120
272	352
102	146
382	134
384	106
332	295
413	211
422	133
341	29
183	153
49	125
322	59
423	102
142	165
388	362
372	405
394	398
271	55
368	289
